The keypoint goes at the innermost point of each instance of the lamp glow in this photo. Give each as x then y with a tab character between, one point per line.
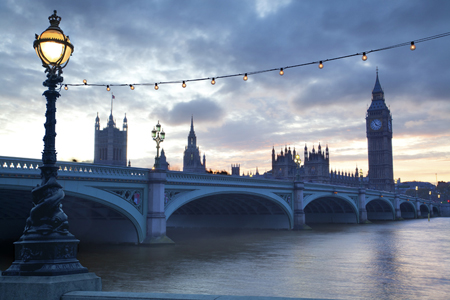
156	86
131	87
52	46
85	81
281	72
364	57
320	65
65	87
213	82
245	77
413	47
184	84
107	88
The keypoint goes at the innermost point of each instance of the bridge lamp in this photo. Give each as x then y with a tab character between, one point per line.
298	162
53	47
46	247
158	136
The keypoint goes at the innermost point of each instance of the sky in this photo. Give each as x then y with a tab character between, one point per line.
236	121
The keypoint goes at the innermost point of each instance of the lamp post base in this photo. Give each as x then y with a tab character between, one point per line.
47	287
51	255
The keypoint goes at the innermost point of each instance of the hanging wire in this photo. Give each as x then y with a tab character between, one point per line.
246	74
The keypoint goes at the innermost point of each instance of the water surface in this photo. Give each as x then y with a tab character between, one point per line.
388	260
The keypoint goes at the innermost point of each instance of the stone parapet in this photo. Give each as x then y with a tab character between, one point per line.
157	296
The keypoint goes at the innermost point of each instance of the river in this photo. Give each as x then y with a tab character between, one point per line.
384	260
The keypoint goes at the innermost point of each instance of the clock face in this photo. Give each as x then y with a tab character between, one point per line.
375	124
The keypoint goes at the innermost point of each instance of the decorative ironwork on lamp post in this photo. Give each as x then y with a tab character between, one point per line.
298	162
47	248
158	136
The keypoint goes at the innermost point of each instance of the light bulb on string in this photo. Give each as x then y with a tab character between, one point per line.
320	65
184	84
364	57
85	81
131	87
107	88
213	82
413	47
281	72
65	87
245	77
156	86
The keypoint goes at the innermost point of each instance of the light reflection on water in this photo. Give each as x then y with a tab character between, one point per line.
388	260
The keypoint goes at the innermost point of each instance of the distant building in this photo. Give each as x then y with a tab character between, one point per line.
191	160
379	142
283	165
235	169
111	143
163	164
317	165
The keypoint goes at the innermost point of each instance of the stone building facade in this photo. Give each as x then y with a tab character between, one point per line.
110	146
191	159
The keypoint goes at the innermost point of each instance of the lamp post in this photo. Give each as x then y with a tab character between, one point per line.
158	136
298	162
47	248
360	177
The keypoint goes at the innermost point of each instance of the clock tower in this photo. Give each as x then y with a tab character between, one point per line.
379	142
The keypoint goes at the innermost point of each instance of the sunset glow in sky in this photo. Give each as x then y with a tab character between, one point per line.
235	121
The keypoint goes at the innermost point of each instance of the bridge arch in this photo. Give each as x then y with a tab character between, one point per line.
230	208
116	204
407	209
78	205
326	208
424	210
380	209
435	211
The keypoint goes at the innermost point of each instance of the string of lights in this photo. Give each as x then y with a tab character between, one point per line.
320	63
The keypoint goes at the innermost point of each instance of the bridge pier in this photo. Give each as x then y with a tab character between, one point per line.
156	218
419	214
299	214
398	212
362	206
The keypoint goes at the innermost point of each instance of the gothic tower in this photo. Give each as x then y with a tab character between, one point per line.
111	143
191	160
379	142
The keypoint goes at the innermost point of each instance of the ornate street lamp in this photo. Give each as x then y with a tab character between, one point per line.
360	177
158	136
298	162
47	248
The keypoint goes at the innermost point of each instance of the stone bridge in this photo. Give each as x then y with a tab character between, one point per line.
124	204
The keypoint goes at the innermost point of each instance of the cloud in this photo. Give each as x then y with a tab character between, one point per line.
205	111
235	121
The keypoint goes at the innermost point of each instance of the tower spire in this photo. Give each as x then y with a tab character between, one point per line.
111	119
377	88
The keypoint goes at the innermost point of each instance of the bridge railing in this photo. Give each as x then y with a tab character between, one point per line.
29	166
183	177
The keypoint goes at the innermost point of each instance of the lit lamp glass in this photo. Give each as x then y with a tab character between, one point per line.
52	46
154	132
158	127
163	134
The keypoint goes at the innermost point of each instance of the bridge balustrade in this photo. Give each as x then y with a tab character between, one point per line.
75	170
